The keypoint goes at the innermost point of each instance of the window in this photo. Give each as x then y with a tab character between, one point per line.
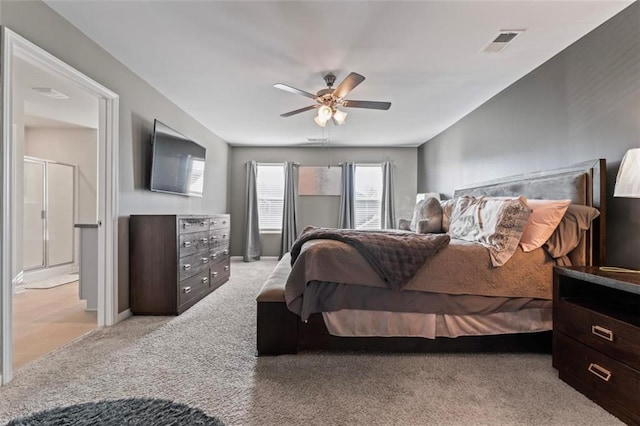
270	188
368	196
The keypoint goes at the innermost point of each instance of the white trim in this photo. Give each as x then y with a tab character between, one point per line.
6	355
14	45
124	315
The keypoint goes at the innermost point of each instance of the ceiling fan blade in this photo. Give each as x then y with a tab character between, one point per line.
294	90
348	84
367	104
298	111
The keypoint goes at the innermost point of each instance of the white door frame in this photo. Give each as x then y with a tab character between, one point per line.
14	45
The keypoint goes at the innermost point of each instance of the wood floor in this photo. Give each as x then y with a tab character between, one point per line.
44	320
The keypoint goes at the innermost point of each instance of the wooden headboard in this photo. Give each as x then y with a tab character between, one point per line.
583	183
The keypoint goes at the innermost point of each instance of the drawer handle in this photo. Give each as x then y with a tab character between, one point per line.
186	267
186	225
226	267
205	279
203	240
213	222
214	255
226	252
204	259
187	289
600	372
215	273
186	244
224	222
224	236
602	332
202	224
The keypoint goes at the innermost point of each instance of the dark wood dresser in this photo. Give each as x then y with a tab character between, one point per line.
596	337
174	261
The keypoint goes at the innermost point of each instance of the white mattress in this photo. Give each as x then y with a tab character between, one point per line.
360	323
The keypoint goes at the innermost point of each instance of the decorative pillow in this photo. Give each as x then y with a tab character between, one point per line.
404	224
569	232
428	209
447	210
453	207
495	223
544	219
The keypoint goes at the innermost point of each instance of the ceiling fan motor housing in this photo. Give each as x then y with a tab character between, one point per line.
330	79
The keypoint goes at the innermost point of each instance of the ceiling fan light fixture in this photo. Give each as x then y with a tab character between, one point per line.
319	121
325	112
339	116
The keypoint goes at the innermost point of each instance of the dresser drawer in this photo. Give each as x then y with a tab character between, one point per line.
220	273
193	264
219	238
619	340
193	224
218	222
193	287
193	242
603	379
218	254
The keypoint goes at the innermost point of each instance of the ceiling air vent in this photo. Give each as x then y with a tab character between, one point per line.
501	41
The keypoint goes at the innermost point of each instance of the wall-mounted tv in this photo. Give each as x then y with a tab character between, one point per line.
177	164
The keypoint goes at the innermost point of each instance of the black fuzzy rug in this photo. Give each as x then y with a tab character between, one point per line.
133	411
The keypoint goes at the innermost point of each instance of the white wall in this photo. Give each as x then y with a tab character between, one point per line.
78	147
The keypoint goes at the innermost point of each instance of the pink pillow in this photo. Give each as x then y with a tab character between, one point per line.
544	219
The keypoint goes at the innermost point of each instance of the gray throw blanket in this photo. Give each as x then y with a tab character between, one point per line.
395	256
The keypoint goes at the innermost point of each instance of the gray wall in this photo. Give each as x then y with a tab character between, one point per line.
316	210
139	105
582	104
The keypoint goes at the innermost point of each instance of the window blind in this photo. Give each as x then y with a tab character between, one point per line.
368	196
270	188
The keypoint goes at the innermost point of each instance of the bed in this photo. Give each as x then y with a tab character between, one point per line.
325	300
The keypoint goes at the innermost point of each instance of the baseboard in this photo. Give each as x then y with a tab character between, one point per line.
123	315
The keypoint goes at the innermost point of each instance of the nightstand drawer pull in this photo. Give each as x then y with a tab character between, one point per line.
600	372
187	244
187	289
204	260
204	279
602	332
186	267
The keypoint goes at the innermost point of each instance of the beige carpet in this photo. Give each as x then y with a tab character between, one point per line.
206	358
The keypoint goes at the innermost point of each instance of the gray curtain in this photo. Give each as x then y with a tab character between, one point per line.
388	206
347	219
289	221
251	248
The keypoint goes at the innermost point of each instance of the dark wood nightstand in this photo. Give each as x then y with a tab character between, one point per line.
596	337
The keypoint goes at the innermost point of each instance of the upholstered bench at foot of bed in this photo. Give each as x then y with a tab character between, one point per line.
277	326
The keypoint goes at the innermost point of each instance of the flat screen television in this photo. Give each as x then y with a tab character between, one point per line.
177	164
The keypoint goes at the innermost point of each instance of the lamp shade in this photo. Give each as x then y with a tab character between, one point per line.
339	116
628	180
319	121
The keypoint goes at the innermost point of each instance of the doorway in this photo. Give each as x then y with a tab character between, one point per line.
16	49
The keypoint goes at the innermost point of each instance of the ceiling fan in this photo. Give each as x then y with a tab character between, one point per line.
328	100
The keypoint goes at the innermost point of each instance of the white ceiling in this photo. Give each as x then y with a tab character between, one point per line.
80	110
218	60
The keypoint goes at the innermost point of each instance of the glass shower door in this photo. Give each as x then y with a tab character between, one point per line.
34	215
